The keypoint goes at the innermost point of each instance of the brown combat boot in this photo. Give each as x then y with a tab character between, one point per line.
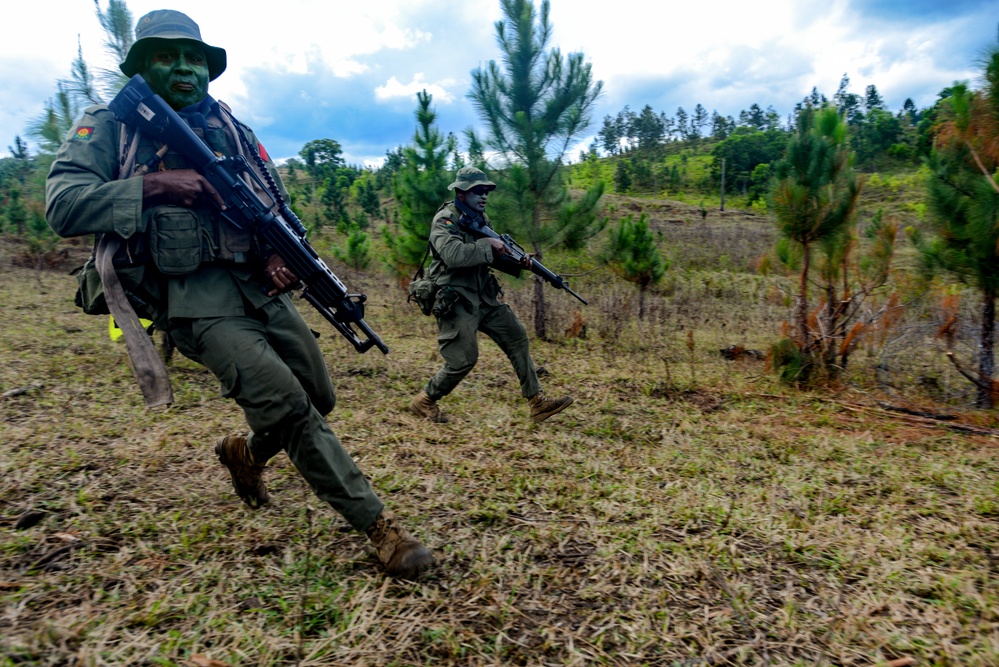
426	407
247	475
402	554
543	407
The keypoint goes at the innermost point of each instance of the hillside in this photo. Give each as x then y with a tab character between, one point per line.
687	509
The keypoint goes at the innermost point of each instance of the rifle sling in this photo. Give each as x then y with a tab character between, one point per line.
419	270
150	372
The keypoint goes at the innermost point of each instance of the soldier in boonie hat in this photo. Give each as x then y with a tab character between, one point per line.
466	300
470	177
221	291
167	24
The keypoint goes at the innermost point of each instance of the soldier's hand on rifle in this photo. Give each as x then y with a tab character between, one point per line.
499	248
280	274
182	187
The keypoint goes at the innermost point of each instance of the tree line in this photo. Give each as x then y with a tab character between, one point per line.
743	148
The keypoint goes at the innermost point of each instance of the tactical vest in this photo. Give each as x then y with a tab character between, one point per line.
180	239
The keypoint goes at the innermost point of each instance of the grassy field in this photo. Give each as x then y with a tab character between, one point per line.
686	510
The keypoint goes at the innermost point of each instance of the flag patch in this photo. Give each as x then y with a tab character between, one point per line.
83	133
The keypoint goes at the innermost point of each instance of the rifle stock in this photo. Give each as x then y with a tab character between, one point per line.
139	107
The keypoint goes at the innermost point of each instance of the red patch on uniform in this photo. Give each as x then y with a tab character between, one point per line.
263	151
83	133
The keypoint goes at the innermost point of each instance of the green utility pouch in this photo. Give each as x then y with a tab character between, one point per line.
90	290
174	239
423	292
444	304
129	262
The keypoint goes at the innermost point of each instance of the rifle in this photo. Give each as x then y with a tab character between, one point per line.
513	261
139	107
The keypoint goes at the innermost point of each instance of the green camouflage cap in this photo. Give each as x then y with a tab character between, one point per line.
166	24
470	177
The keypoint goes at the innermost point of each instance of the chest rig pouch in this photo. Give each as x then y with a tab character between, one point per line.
181	239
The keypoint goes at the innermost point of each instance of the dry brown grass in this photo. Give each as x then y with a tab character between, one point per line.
685	511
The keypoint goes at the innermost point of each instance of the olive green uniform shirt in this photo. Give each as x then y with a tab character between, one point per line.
460	260
85	196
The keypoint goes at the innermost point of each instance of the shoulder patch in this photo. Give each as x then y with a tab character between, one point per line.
83	133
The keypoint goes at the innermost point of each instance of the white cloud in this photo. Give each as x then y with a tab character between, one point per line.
636	38
393	89
724	54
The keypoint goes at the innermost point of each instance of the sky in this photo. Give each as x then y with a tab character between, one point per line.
315	69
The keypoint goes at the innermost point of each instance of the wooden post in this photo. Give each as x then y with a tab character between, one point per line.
723	185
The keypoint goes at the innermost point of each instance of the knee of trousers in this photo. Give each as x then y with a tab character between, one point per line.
460	365
520	344
324	402
265	404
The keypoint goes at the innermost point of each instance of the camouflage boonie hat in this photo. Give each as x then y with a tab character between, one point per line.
166	24
470	177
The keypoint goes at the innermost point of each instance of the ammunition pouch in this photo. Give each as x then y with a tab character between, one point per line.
446	301
174	239
180	239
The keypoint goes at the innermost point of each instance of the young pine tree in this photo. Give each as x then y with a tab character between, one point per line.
356	249
333	201
367	196
814	197
420	187
535	107
963	198
633	255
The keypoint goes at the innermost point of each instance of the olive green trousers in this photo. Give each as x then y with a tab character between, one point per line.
268	361
457	340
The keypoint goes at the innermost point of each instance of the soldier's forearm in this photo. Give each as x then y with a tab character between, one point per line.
76	208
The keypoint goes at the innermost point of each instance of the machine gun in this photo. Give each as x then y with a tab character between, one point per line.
139	107
514	260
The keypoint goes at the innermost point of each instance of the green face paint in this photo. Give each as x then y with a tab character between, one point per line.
177	71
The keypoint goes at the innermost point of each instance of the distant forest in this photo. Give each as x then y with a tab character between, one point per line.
749	144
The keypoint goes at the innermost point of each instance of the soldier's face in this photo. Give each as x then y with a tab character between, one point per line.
475	198
178	72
